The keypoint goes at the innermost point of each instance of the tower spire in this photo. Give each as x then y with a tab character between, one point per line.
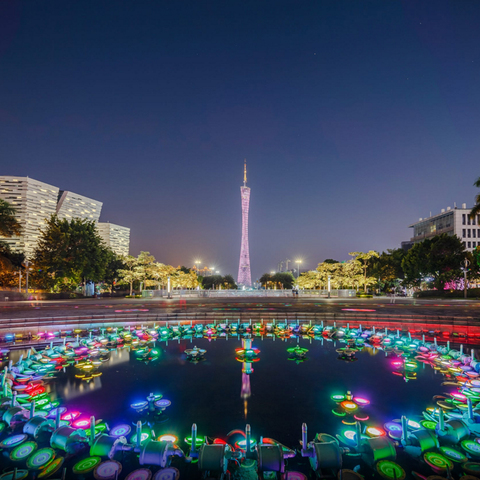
245	172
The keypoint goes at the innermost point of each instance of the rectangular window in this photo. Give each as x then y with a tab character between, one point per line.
474	233
473	221
463	219
474	244
468	233
468	220
464	234
464	244
469	244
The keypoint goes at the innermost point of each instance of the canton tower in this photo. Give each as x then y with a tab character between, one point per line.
244	275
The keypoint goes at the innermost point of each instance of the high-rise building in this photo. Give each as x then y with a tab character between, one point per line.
115	237
244	275
454	221
72	205
34	202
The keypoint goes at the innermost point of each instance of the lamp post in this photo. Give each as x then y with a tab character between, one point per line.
298	262
26	277
466	263
328	286
197	264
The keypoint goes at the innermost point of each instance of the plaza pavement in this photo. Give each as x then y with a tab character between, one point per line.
230	306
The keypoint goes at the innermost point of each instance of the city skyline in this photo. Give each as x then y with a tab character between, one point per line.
356	119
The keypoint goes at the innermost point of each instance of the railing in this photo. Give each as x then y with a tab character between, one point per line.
247	293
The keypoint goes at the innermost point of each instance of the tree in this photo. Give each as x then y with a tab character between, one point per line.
9	225
387	268
265	280
69	252
145	267
212	281
439	258
160	273
10	259
476	208
309	280
229	283
283	280
365	257
129	274
277	280
476	256
184	280
113	266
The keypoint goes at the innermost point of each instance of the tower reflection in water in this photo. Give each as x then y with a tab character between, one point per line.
247	355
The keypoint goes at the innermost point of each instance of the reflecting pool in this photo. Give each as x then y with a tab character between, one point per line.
334	381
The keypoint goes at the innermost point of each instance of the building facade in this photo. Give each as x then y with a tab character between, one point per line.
115	237
36	201
72	205
244	274
452	221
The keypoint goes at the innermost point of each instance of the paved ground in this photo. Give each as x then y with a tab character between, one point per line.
228	306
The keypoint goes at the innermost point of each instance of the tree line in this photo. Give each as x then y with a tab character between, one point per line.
71	253
437	262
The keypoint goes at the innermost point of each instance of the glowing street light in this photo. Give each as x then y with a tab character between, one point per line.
298	262
197	264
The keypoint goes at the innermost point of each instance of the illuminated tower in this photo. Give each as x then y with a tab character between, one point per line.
244	275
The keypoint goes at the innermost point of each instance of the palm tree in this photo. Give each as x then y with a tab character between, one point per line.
476	209
9	225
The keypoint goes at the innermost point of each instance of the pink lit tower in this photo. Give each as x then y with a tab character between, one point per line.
244	275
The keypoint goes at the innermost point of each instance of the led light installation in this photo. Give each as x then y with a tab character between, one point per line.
244	275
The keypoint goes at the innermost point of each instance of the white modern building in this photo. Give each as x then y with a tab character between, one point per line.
72	205
36	201
115	237
452	221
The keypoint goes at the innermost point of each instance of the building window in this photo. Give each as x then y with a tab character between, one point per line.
468	233
464	234
474	244
469	244
468	220
463	219
474	233
464	244
473	221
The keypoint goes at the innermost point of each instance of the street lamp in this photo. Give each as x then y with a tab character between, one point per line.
298	262
197	263
466	263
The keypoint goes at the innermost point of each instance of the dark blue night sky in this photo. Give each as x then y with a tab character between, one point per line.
356	118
